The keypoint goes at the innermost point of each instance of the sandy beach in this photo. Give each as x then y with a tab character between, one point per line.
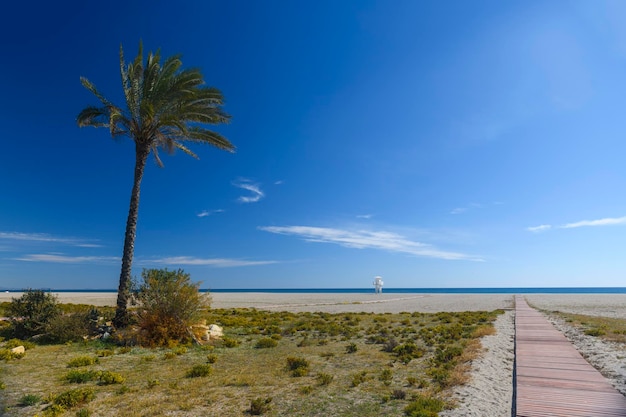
324	302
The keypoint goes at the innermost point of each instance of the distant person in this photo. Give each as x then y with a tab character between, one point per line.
378	285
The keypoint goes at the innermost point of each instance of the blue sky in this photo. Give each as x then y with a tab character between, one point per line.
437	144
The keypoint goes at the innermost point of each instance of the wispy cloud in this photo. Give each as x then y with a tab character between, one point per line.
540	228
364	239
64	259
601	222
279	182
458	210
249	185
216	262
206	213
608	221
43	237
364	216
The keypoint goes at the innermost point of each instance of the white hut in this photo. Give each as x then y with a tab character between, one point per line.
378	284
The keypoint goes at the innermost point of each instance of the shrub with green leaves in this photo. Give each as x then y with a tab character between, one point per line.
7	355
13	343
29	399
199	371
110	378
32	313
229	342
80	376
324	378
169	304
74	397
265	343
298	366
82	361
423	406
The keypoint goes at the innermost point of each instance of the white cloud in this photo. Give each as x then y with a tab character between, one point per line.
364	216
206	213
541	228
459	210
601	222
279	182
43	237
216	262
609	221
63	259
363	239
248	185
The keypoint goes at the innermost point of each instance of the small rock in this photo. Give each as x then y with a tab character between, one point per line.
215	332
18	349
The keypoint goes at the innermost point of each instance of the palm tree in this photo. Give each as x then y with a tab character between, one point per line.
165	106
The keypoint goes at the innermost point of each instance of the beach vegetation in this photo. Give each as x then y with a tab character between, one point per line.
199	371
32	313
324	378
259	406
165	106
607	328
365	384
298	366
424	406
29	399
169	303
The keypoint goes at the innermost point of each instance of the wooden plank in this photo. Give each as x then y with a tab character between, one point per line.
552	379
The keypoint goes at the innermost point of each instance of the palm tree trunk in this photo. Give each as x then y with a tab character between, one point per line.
123	292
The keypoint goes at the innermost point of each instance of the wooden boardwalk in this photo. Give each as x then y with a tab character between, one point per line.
552	378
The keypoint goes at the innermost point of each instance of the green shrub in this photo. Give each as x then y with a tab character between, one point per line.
69	328
386	376
169	355
180	350
82	361
324	378
74	397
77	376
29	399
13	343
7	355
32	313
408	351
199	371
298	366
423	406
110	378
259	406
170	303
83	412
230	342
211	358
358	378
265	343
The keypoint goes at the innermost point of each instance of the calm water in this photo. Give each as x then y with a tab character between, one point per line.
522	290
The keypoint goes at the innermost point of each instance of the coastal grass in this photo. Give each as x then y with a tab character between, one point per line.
607	328
348	364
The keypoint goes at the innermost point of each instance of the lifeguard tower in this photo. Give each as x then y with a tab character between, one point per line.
378	285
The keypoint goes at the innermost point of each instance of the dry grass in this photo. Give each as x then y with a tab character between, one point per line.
156	386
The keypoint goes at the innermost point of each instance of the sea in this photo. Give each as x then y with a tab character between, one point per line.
506	290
